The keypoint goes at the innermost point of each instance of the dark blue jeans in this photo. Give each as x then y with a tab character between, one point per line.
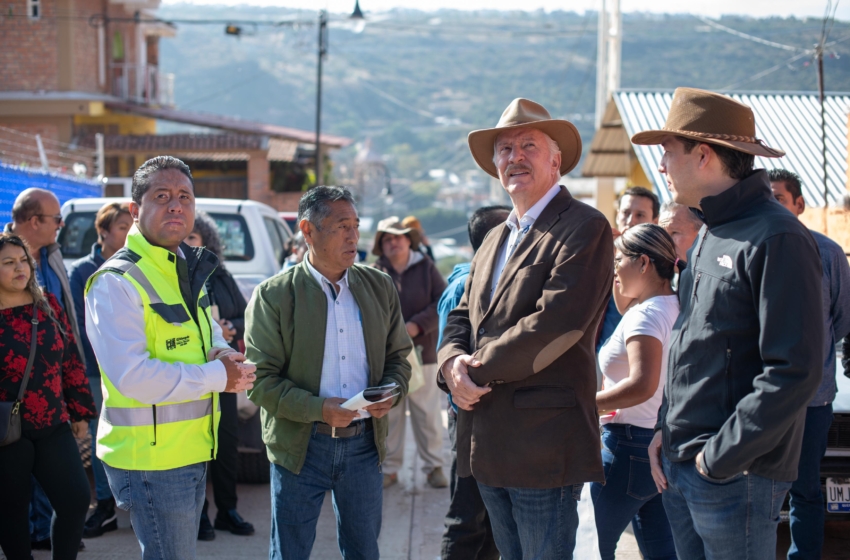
165	508
629	495
719	520
349	468
468	534
533	523
101	483
807	506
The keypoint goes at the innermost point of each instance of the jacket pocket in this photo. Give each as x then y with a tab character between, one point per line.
544	397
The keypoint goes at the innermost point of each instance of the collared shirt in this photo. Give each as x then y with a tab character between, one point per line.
520	226
115	322
345	369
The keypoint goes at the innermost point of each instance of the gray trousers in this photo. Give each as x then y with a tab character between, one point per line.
425	406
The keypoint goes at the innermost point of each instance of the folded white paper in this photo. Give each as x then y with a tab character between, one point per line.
370	396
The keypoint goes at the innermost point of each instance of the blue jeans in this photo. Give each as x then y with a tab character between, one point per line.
807	506
629	495
533	523
101	484
718	520
165	508
350	469
41	513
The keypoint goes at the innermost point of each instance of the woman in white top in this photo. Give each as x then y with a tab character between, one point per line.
634	367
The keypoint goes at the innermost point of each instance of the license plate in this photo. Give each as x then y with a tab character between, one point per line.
838	495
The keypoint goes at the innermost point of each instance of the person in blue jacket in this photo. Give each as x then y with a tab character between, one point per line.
468	535
112	223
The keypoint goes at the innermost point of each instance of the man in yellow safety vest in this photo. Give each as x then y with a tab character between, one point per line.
163	361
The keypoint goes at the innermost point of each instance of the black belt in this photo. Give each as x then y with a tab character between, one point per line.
355	429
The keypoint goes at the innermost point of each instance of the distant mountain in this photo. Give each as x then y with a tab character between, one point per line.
417	83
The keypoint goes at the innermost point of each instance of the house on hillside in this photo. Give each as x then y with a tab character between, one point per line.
789	121
70	69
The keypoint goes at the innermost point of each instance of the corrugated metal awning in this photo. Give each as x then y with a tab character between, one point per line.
787	121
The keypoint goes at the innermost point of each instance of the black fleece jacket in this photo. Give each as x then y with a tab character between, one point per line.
747	349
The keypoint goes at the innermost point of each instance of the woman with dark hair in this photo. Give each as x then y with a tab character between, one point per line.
634	366
55	408
229	310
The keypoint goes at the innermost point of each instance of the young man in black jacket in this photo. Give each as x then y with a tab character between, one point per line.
747	349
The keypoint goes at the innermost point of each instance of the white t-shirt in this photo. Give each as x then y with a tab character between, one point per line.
655	318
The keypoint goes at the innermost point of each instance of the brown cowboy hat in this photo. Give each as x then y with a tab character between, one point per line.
525	113
712	118
394	226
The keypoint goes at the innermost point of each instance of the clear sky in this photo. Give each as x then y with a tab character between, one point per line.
709	8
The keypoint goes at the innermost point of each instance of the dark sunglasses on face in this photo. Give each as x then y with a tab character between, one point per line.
57	218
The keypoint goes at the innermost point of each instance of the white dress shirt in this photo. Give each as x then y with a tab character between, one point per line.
516	227
345	368
115	324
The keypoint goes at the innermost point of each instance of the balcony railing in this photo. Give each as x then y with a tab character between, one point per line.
142	83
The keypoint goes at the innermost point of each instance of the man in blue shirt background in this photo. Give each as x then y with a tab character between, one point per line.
468	535
807	507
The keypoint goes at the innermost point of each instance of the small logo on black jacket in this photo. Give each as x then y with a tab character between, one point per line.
173	343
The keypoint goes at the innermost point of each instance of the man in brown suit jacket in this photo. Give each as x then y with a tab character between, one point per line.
517	353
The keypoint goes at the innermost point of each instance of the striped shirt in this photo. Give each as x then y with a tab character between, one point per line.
345	369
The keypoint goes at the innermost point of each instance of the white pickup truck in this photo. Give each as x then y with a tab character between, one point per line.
253	234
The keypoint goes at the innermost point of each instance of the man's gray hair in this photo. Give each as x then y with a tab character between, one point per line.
669	208
314	206
553	146
142	176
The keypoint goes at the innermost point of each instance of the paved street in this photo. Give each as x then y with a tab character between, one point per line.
412	526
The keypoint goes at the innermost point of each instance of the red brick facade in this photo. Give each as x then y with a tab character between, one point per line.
32	56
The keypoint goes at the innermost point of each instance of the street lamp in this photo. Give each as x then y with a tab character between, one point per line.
357	14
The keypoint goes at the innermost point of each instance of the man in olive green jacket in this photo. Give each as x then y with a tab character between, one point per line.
320	333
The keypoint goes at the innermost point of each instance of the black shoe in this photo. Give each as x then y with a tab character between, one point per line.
102	520
233	522
205	531
82	546
41	545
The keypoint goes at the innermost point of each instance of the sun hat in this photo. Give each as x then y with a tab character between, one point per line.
524	113
712	118
394	226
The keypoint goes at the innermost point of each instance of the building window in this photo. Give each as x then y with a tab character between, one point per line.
34	9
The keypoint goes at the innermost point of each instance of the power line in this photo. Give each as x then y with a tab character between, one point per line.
748	37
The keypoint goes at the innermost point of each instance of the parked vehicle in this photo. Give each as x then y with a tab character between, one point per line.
835	465
291	220
255	238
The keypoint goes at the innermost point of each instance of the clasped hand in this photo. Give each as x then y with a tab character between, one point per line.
240	375
465	393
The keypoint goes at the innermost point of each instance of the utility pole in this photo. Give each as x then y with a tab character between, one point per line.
323	49
819	57
608	55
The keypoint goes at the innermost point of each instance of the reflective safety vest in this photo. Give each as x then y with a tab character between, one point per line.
133	435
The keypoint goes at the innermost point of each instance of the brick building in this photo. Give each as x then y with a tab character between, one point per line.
72	68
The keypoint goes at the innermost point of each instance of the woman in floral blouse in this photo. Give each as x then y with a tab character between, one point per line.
56	408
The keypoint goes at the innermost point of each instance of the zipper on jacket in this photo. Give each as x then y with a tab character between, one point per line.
729	400
153	406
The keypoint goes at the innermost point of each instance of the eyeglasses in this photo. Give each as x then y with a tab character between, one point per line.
56	218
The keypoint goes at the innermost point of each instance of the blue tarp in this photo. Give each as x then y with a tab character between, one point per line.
15	179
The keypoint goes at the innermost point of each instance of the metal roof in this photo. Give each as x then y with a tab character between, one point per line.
786	121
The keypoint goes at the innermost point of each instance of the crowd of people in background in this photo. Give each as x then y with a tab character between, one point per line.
675	371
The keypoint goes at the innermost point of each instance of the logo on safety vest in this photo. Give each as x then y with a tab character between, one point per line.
173	343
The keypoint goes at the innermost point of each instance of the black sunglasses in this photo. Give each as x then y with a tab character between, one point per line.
56	218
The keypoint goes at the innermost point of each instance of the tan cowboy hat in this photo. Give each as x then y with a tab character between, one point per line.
524	113
712	118
393	225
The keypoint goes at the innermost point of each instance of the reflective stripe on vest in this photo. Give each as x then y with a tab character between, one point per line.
165	414
171	313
